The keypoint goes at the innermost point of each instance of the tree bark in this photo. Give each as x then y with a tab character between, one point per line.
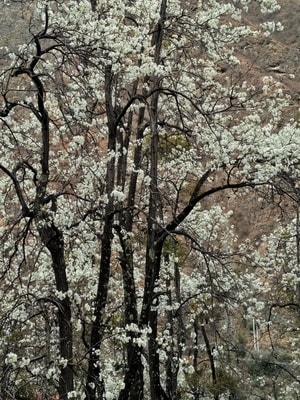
134	370
154	246
211	359
53	240
95	389
133	380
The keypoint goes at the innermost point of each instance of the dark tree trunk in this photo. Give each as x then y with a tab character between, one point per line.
156	390
53	240
149	316
133	380
134	369
95	389
154	245
171	364
211	359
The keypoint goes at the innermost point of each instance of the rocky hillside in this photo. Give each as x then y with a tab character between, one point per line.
278	55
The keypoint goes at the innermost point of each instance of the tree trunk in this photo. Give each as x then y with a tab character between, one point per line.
53	240
134	375
211	359
154	246
156	390
149	315
95	389
133	380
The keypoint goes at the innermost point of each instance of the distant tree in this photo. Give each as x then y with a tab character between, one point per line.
122	125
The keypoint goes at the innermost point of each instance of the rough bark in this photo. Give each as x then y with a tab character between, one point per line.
211	359
133	379
53	240
94	384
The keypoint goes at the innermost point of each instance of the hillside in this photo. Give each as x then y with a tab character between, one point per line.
279	54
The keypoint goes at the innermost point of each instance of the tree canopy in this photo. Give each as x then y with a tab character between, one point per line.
129	133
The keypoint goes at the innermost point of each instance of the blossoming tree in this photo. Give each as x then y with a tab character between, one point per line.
122	126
